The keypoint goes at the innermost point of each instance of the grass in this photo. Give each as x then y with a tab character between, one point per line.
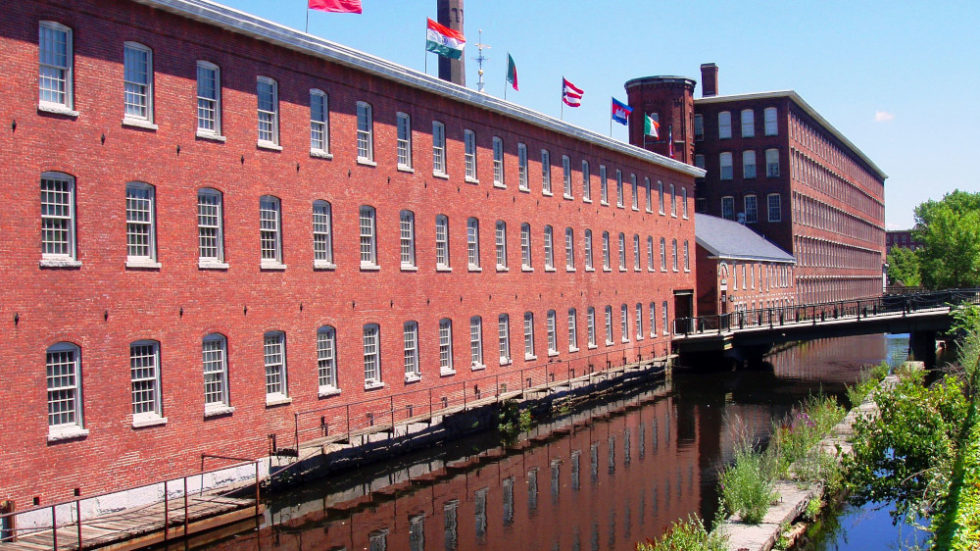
747	485
686	535
795	439
869	380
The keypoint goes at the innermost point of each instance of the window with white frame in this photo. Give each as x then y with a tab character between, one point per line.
728	207
270	230
724	125
267	94
586	182
326	360
503	338
372	356
653	319
648	194
404	141
624	323
473	243
410	337
606	264
446	346
368	238
214	362
522	167
365	132
673	254
500	238
526	246
406	238
498	162
590	326
725	164
439	148
322	234
529	336
634	190
751	209
476	342
673	201
775	210
552	329
572	331
748	164
469	154
684	202
650	261
772	163
442	242
208	99
609	325
63	374
566	176
57	218
663	254
137	83
636	252
698	127
622	251
660	197
274	354
319	123
144	368
55	61
545	172
140	225
588	250
210	227
639	321
603	185
769	116
619	188
748	123
549	248
569	249
663	312
687	256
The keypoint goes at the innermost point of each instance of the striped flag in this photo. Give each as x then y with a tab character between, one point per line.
571	94
443	40
651	127
336	6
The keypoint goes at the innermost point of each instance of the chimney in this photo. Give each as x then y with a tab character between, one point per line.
709	80
450	14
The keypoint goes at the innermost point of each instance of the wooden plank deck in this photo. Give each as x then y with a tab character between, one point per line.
136	528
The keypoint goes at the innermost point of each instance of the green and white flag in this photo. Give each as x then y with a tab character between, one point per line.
651	127
443	40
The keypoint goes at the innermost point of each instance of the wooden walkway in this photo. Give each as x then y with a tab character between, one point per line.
141	527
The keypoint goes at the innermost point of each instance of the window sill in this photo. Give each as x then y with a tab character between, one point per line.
573	349
500	185
473	268
273	400
406	168
372	384
634	209
609	342
477	367
446	269
592	346
321	154
524	189
470	180
625	341
271	146
63	262
687	270
211	264
502	268
412	378
639	338
143	264
622	269
567	197
587	200
446	372
673	215
549	269
505	361
607	270
589	269
528	269
327	391
651	270
208	135
56	109
369	267
323	265
552	353
440	175
366	162
144	420
570	270
66	432
547	193
218	411
272	265
139	123
530	357
409	268
619	205
661	213
649	211
604	203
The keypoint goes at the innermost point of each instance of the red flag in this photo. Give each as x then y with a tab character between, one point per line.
571	94
336	6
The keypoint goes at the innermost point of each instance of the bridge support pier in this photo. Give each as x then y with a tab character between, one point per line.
922	346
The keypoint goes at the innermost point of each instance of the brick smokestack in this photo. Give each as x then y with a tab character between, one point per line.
450	14
709	80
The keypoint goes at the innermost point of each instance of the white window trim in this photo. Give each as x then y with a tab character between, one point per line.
222	407
372	383
75	429
321	152
446	368
281	396
325	390
406	142
439	150
66	108
470	168
212	262
367	134
272	144
154	417
69	259
272	263
148	261
214	134
324	263
131	120
372	263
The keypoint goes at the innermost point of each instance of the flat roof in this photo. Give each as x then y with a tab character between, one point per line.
792	95
230	19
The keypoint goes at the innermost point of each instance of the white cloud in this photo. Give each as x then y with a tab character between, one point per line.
883	116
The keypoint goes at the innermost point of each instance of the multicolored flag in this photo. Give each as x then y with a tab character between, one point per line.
511	71
443	40
651	127
571	94
620	111
336	6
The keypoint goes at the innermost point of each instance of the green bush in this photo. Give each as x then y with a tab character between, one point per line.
747	485
686	535
796	437
867	382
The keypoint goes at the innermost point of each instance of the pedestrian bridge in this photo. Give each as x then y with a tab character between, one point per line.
749	334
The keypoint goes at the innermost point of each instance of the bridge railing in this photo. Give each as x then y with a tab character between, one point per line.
823	311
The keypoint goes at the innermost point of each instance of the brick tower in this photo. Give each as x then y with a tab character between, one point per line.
670	100
450	14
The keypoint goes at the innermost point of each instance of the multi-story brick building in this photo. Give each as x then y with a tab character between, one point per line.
214	223
776	164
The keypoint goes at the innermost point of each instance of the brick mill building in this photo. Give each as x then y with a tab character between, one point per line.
214	223
774	163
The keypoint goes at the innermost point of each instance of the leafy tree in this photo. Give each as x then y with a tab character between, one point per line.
903	267
949	232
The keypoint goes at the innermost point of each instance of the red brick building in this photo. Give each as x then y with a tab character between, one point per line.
775	163
214	223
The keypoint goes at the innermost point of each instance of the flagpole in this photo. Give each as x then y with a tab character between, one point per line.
307	19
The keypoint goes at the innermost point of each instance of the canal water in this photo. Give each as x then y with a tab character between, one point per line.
610	476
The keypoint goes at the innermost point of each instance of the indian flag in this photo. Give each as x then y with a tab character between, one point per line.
443	40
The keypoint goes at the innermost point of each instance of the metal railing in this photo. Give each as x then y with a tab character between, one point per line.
857	309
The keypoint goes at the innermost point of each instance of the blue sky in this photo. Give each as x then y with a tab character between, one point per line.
899	79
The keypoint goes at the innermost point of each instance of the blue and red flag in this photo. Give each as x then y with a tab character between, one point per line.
620	111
